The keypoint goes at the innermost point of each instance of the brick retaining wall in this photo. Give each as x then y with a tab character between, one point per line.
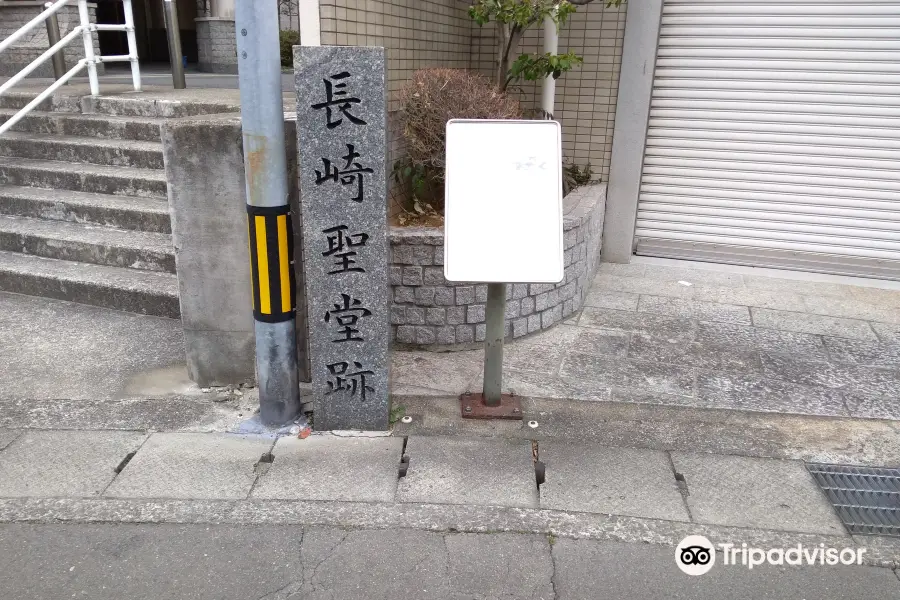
429	312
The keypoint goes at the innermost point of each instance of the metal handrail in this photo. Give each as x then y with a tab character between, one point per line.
85	29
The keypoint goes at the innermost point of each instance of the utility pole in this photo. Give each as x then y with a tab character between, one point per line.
269	220
59	59
174	35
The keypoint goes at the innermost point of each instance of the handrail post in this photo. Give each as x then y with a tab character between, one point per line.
175	56
59	59
91	61
132	45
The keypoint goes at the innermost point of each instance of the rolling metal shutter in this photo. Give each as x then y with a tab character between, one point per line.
774	136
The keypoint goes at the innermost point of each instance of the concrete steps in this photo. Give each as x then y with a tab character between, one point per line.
131	290
83	209
76	149
122	212
95	244
81	177
90	125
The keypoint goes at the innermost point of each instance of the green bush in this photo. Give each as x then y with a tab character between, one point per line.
287	40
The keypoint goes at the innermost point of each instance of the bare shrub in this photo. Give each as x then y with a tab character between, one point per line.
434	96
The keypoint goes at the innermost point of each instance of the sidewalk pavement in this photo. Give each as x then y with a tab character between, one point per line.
658	332
452	483
112	514
117	473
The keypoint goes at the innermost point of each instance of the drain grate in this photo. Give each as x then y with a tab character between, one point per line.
867	499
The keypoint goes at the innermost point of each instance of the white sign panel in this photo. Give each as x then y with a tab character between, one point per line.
503	207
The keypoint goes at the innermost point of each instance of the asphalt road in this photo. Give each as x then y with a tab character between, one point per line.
187	562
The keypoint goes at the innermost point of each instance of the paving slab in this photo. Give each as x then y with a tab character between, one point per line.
448	372
757	393
75	351
695	309
329	467
632	269
64	463
887	332
783	320
854	308
807	346
617	481
602	298
192	465
640	285
875	354
744	296
589	569
632	374
631	322
755	492
873	407
7	436
480	471
851	378
887	296
799	286
535	384
543	352
692	275
196	411
693	354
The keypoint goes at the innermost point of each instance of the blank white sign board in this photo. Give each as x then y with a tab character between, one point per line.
503	203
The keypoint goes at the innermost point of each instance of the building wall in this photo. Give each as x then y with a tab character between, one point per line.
415	33
439	33
15	14
216	45
585	96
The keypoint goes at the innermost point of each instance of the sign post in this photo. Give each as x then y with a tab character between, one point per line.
503	224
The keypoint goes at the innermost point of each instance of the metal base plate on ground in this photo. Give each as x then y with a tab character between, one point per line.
867	499
472	406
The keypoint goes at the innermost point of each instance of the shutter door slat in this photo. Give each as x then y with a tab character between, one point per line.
774	135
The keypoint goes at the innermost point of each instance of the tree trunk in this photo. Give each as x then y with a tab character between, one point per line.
500	73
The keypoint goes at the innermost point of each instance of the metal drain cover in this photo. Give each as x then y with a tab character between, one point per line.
867	499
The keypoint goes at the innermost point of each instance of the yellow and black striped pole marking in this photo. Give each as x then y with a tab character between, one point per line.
271	241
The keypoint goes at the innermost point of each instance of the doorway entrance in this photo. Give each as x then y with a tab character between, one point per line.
150	29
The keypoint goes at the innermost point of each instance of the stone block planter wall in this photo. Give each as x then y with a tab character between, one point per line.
429	312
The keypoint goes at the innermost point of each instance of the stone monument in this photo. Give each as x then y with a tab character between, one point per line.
341	138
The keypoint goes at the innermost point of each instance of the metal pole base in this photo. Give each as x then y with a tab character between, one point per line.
474	407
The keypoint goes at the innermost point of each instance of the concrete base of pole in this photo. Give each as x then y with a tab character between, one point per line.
276	368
